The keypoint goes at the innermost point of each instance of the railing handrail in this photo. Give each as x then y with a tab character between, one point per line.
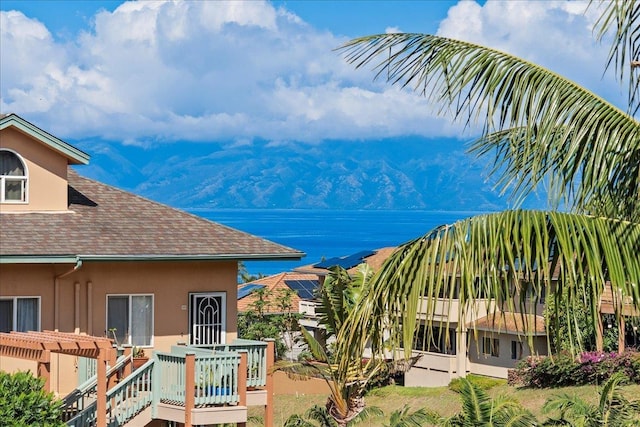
130	378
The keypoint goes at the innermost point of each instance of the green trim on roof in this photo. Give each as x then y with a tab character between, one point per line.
71	259
76	156
29	259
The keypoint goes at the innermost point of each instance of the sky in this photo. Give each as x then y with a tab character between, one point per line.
147	73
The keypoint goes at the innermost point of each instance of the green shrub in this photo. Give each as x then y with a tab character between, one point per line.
565	370
485	383
23	402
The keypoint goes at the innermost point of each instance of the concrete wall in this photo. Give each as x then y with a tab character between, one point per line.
81	300
47	173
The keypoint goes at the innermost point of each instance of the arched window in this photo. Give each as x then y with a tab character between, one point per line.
13	178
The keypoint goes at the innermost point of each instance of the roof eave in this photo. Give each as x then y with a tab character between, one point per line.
67	259
74	155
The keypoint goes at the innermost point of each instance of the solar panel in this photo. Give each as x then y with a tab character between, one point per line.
247	289
345	262
304	288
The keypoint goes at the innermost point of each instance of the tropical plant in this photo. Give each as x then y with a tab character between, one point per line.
404	418
537	128
347	381
478	409
613	409
319	416
23	402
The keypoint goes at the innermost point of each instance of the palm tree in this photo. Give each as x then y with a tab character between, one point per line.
478	409
347	381
613	409
538	127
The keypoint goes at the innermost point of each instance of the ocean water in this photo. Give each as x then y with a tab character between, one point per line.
329	233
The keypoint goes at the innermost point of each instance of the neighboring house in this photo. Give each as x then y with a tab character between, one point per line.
80	256
499	344
300	288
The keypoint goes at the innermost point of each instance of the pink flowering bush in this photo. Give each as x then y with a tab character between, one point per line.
565	370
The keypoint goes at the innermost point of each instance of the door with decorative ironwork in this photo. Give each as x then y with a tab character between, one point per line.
207	313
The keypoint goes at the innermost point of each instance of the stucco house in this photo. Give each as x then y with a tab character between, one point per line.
83	257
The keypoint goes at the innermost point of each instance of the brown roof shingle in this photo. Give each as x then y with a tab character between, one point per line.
104	221
510	323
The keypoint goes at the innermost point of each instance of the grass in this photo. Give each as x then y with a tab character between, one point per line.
440	399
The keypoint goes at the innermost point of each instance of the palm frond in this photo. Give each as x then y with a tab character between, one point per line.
496	260
621	17
420	417
537	124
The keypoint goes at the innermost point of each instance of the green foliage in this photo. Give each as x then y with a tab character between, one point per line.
485	383
566	370
404	418
23	402
478	409
270	316
319	416
613	409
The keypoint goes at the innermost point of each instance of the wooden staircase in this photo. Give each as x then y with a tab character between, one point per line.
188	385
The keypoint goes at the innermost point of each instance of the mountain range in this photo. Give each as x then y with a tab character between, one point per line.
407	173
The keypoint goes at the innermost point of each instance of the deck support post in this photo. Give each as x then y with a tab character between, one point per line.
190	385
242	381
101	395
44	368
271	356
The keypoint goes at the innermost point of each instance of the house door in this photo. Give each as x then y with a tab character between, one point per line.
207	314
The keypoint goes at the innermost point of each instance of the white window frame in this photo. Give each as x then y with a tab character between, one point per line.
491	346
14	315
153	320
223	319
22	178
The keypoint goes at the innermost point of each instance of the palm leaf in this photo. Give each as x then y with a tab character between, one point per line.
621	17
538	126
548	251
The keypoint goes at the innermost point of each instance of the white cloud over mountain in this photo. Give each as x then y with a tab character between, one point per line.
203	71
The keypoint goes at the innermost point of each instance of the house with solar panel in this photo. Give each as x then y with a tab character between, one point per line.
82	262
453	352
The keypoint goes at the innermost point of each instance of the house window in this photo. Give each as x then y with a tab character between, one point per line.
491	346
13	178
130	319
21	314
516	350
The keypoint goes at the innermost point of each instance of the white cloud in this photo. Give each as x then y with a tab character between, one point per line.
203	71
555	34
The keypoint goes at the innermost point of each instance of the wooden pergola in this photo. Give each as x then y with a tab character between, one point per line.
38	346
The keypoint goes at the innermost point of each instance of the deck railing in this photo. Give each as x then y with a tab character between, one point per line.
215	377
131	395
84	396
256	359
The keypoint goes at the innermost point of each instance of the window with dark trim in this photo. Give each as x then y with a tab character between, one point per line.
21	314
13	178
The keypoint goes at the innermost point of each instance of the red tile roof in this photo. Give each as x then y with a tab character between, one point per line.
274	284
106	222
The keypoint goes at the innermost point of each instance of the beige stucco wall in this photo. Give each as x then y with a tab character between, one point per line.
47	173
169	282
484	364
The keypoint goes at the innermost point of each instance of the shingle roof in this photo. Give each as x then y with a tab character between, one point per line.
104	221
510	323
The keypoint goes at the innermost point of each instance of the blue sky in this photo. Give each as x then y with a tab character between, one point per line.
147	73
